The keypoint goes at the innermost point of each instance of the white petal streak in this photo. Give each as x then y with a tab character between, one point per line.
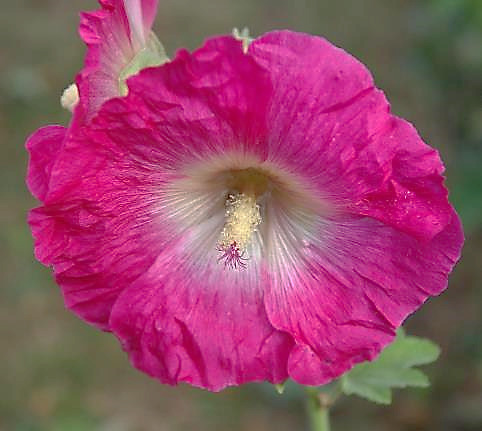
290	233
134	15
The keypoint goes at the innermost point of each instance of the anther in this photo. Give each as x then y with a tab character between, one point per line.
242	217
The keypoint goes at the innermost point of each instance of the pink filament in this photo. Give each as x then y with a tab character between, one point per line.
232	257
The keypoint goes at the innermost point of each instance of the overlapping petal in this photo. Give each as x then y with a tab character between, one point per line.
95	227
44	146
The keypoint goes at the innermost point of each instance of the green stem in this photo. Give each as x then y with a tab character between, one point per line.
318	410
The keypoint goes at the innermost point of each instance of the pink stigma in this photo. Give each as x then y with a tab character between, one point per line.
232	256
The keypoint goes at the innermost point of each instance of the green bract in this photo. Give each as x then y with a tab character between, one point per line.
153	54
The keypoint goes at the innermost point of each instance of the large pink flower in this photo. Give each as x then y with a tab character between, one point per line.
245	216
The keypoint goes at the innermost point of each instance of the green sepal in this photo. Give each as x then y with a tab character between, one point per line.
280	388
392	369
153	54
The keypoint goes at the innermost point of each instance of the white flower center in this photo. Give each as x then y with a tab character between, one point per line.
240	212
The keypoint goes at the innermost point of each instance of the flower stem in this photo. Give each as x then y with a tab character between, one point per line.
318	410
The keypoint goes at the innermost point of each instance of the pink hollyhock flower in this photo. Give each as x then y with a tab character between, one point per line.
119	43
246	214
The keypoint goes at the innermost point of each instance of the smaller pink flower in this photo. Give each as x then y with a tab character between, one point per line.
119	43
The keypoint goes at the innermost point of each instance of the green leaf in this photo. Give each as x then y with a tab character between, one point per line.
392	369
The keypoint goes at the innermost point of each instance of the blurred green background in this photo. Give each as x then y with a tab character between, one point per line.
57	373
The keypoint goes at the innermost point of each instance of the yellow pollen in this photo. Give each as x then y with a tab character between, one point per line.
242	218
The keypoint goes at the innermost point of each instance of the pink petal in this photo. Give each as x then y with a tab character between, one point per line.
43	146
206	103
343	296
329	123
197	322
95	228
